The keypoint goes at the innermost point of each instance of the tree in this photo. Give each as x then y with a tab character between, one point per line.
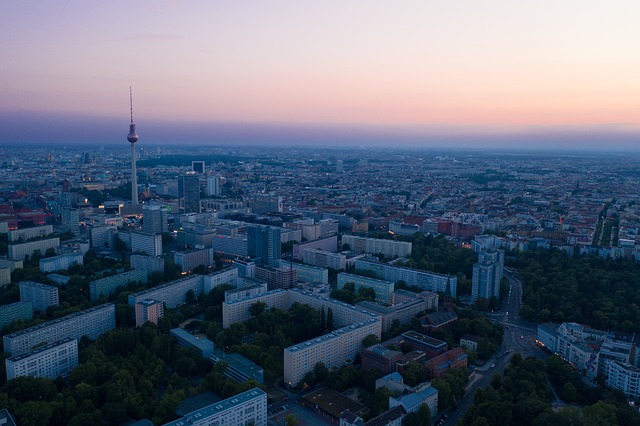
323	320
290	420
257	308
330	320
370	340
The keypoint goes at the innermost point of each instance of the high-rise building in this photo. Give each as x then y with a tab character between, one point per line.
487	274
40	295
189	192
154	218
213	185
70	220
108	285
198	166
14	312
149	310
263	244
149	244
132	137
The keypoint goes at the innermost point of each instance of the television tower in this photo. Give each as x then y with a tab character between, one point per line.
133	138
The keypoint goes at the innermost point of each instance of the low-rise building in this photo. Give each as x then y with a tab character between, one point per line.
188	340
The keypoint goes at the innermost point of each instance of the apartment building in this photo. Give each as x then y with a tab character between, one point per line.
19	251
306	273
173	293
49	361
40	295
91	322
148	310
18	311
246	408
25	234
423	279
61	262
217	278
146	263
389	248
384	289
108	285
325	259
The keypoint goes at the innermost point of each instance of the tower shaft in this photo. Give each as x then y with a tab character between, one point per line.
134	177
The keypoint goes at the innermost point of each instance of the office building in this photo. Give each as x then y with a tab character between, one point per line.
325	259
263	244
383	289
413	277
154	218
91	322
148	310
61	262
246	408
188	340
265	203
389	248
213	185
40	295
237	246
189	192
198	166
70	220
49	361
146	263
238	368
18	311
19	251
104	287
173	293
145	243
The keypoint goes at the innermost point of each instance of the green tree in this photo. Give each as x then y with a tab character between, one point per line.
291	420
329	320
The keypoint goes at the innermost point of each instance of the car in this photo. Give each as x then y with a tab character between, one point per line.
493	365
522	337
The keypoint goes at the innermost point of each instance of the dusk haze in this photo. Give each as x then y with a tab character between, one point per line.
421	73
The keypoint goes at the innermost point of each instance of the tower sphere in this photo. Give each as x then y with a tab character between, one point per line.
132	136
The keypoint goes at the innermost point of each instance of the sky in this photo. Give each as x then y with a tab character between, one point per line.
465	73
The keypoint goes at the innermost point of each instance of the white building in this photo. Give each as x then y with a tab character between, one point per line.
50	361
91	322
423	279
223	276
325	259
383	289
246	408
28	233
306	273
624	377
40	295
61	262
238	310
173	293
149	244
389	248
334	349
19	251
5	276
148	264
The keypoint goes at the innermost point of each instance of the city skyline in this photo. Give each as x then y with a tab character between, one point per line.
460	75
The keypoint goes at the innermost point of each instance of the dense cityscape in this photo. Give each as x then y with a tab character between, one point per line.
284	286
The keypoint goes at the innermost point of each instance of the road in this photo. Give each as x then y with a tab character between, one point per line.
519	337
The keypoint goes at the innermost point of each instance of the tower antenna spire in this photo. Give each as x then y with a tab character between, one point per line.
131	103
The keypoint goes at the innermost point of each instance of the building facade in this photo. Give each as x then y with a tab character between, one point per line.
91	322
49	361
40	295
388	248
173	293
413	277
149	310
61	262
18	311
384	289
108	285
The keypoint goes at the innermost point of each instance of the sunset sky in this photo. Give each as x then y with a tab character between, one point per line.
422	69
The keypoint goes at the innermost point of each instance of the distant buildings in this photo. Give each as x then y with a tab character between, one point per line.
423	279
189	192
154	218
173	293
263	244
389	248
19	251
146	243
325	259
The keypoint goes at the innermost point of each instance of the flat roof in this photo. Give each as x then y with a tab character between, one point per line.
59	320
326	337
169	284
217	407
334	403
201	343
40	349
